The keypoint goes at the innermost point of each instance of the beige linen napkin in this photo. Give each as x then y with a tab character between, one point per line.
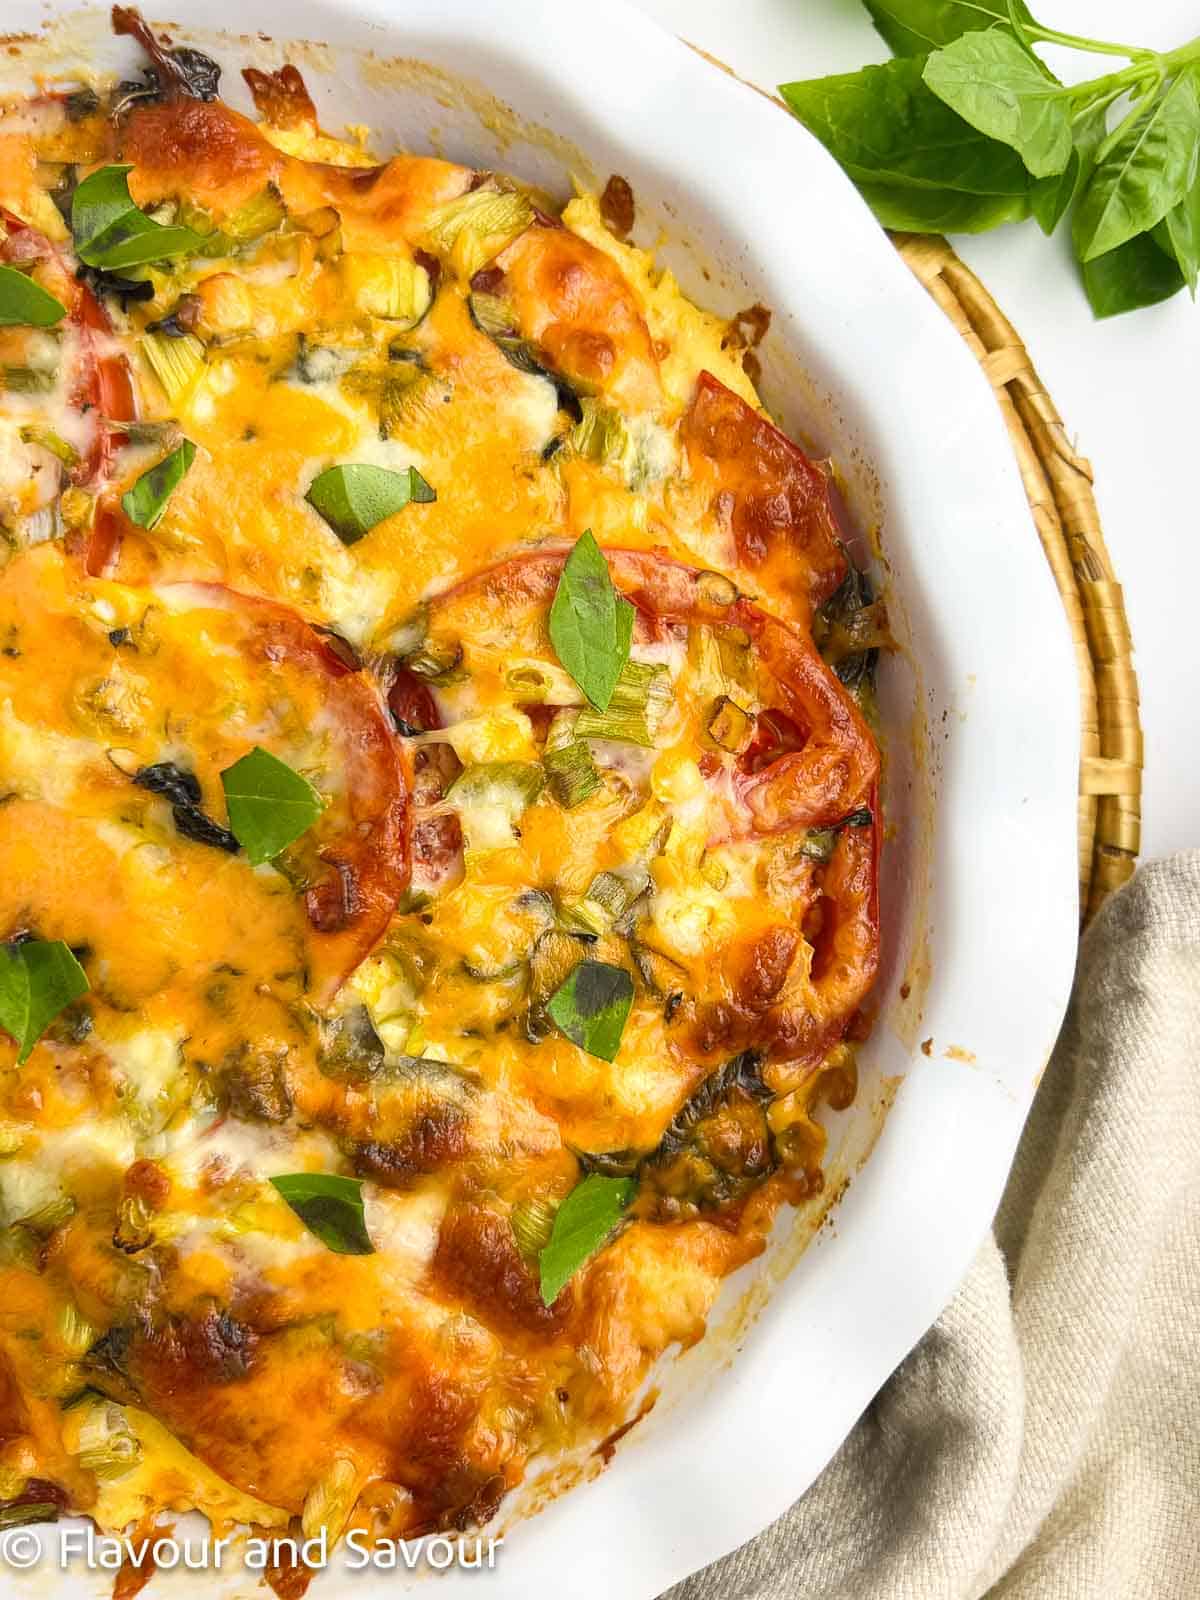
1043	1440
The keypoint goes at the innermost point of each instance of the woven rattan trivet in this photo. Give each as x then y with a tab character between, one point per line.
1059	485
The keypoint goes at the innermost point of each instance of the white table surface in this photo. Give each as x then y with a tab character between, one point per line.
1128	388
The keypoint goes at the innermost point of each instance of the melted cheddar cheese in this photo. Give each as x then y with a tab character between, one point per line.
377	1002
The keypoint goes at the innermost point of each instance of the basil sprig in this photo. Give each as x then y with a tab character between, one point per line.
591	625
968	128
1002	89
147	500
37	979
582	1224
329	1206
911	27
25	304
592	1007
270	805
110	232
354	499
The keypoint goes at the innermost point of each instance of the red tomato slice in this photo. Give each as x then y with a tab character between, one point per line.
779	504
845	953
363	840
102	381
814	786
813	763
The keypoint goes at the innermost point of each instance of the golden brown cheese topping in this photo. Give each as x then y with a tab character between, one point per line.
438	868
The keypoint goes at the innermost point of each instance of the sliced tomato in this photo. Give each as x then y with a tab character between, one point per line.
363	841
811	764
779	503
825	764
845	957
102	382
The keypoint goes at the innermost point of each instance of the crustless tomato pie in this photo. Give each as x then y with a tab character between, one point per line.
439	823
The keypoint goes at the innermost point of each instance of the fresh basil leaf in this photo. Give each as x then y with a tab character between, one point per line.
37	979
941	210
913	27
1051	198
111	232
1001	88
330	1207
886	126
592	1007
1148	172
591	625
581	1225
1179	235
25	304
269	804
353	499
147	500
1135	275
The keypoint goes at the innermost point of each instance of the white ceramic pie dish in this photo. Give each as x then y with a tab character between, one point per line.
981	710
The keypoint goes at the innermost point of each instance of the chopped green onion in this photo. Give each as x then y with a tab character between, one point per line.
608	897
114	1458
600	435
640	698
408	636
12	1138
26	1511
262	214
132	1232
730	727
176	363
715	589
437	661
389	287
570	770
58	447
714	872
76	1334
492	316
476	227
164	434
403	397
330	1500
107	1446
50	1216
818	843
28	380
491	797
571	773
532	1222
